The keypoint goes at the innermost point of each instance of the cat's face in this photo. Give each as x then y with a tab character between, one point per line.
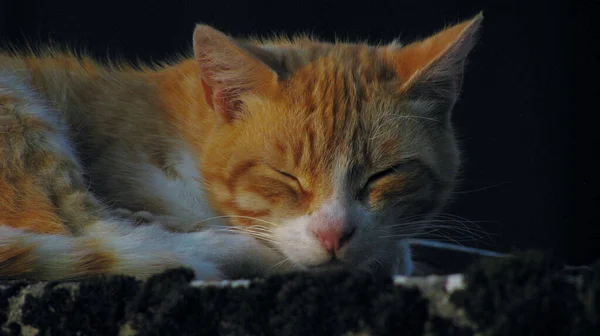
331	160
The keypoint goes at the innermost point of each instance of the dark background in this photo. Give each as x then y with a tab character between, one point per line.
526	117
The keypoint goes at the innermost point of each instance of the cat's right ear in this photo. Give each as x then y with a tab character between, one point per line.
432	69
228	71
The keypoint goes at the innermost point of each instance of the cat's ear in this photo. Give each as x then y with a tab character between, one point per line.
431	70
229	70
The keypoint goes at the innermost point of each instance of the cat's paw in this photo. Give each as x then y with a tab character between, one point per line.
170	223
138	217
235	255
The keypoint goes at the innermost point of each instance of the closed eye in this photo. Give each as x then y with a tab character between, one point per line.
289	177
378	176
366	189
395	169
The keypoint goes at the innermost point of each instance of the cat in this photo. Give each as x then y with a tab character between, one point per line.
253	157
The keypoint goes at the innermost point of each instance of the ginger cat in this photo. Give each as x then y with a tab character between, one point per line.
251	158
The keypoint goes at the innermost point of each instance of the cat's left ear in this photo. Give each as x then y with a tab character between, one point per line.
228	70
431	70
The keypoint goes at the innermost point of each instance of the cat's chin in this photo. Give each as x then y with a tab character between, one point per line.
331	265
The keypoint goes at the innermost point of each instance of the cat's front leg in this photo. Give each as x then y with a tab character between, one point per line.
235	255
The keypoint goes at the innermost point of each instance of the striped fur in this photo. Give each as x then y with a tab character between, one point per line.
228	161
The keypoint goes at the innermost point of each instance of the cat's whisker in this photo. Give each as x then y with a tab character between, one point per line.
280	264
268	239
260	236
249	230
448	223
229	230
414	223
235	216
480	189
429	224
259	228
471	226
443	237
252	218
431	233
457	217
413	117
437	217
414	217
398	236
458	230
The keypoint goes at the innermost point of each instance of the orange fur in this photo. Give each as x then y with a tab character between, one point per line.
94	260
275	129
24	206
16	260
420	55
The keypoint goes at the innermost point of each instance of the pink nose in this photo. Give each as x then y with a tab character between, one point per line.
333	238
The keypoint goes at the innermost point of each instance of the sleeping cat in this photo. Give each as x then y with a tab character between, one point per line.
249	158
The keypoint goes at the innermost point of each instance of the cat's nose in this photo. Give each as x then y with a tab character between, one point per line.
333	238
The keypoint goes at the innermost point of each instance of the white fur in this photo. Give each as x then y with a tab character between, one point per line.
184	196
299	244
148	249
370	243
142	250
145	250
203	251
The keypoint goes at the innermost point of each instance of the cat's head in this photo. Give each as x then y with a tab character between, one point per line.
329	151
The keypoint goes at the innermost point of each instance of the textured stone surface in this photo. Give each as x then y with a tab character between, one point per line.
528	295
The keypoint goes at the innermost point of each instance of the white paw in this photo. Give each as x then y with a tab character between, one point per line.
170	223
235	255
121	213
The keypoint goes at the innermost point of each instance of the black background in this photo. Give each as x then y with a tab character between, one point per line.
527	116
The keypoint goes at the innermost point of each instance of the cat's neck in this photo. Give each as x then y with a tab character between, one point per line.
183	105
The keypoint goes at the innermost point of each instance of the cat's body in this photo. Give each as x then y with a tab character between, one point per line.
250	158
